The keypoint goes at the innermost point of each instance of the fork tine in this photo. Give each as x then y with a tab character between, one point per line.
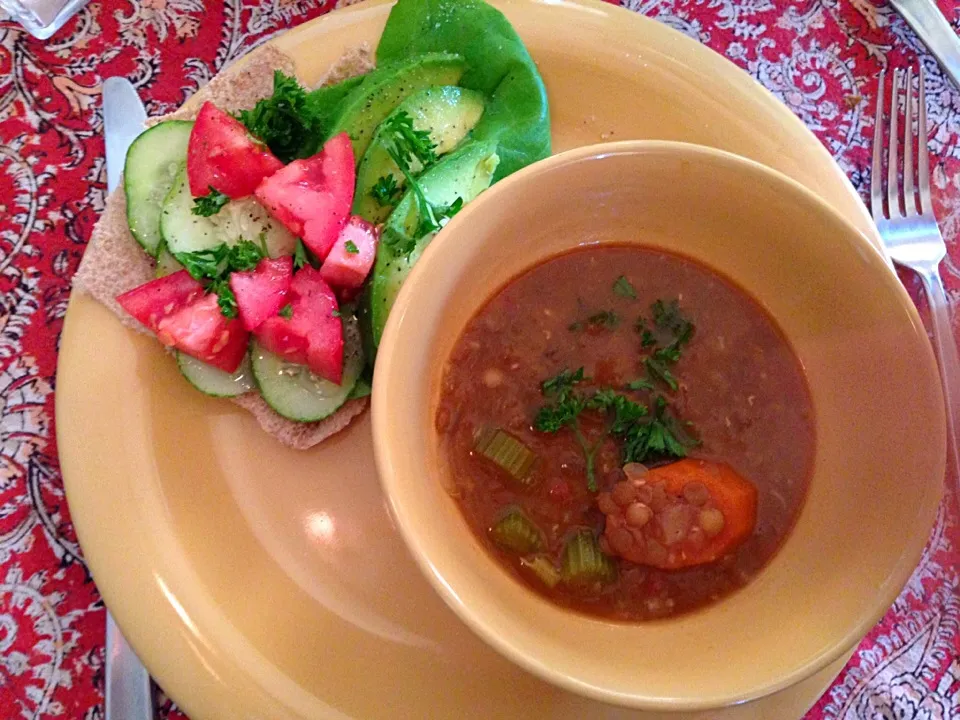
923	171
876	174
909	203
893	184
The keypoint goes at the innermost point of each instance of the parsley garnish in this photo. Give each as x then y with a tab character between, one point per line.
658	436
603	320
284	121
408	143
286	311
670	332
640	384
336	313
623	288
386	191
658	370
303	256
644	437
207	205
351	247
412	151
214	265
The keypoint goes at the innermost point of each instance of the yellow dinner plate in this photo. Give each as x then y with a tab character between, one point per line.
257	581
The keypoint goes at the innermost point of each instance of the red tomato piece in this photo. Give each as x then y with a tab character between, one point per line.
201	330
313	334
221	154
312	197
352	256
153	301
263	291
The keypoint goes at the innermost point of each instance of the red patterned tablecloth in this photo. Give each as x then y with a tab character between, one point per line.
820	57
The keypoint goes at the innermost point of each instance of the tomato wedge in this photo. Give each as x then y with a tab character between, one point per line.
221	154
262	292
201	330
352	255
153	301
687	513
312	197
313	334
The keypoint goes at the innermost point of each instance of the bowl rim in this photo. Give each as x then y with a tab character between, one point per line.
473	618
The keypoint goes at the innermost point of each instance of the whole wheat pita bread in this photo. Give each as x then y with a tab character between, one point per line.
114	263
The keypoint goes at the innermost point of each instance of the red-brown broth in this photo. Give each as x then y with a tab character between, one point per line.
741	386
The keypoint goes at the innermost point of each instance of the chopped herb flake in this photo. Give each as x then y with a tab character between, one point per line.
351	247
623	288
207	205
386	191
603	320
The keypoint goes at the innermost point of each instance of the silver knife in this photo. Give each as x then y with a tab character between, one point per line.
123	119
932	27
128	693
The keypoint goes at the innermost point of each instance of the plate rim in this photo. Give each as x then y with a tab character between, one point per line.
96	548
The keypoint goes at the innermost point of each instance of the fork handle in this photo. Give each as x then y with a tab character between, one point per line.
128	692
949	360
929	23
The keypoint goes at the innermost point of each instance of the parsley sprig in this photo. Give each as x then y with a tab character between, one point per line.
284	121
207	205
412	151
644	435
214	265
665	339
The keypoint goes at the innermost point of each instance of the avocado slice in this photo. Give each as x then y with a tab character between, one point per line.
463	174
447	112
385	88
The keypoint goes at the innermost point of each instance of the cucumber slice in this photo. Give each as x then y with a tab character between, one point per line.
183	231
152	164
166	263
245	218
214	381
295	392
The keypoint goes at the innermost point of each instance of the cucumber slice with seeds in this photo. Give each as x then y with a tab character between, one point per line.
214	381
295	392
245	218
151	166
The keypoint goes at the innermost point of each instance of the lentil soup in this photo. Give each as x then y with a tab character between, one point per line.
627	432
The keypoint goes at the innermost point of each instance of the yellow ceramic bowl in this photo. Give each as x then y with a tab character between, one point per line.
879	419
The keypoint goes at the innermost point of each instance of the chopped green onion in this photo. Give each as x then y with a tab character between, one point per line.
583	562
543	568
507	452
517	533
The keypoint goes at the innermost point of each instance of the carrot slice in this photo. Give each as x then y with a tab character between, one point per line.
715	515
731	494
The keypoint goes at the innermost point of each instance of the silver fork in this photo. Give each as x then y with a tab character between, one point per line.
909	228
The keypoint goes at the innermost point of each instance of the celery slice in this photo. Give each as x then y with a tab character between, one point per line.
508	453
516	532
583	563
543	568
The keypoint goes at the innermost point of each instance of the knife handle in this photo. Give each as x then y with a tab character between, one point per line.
932	27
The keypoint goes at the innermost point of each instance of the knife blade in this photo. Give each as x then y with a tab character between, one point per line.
123	119
933	29
128	692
